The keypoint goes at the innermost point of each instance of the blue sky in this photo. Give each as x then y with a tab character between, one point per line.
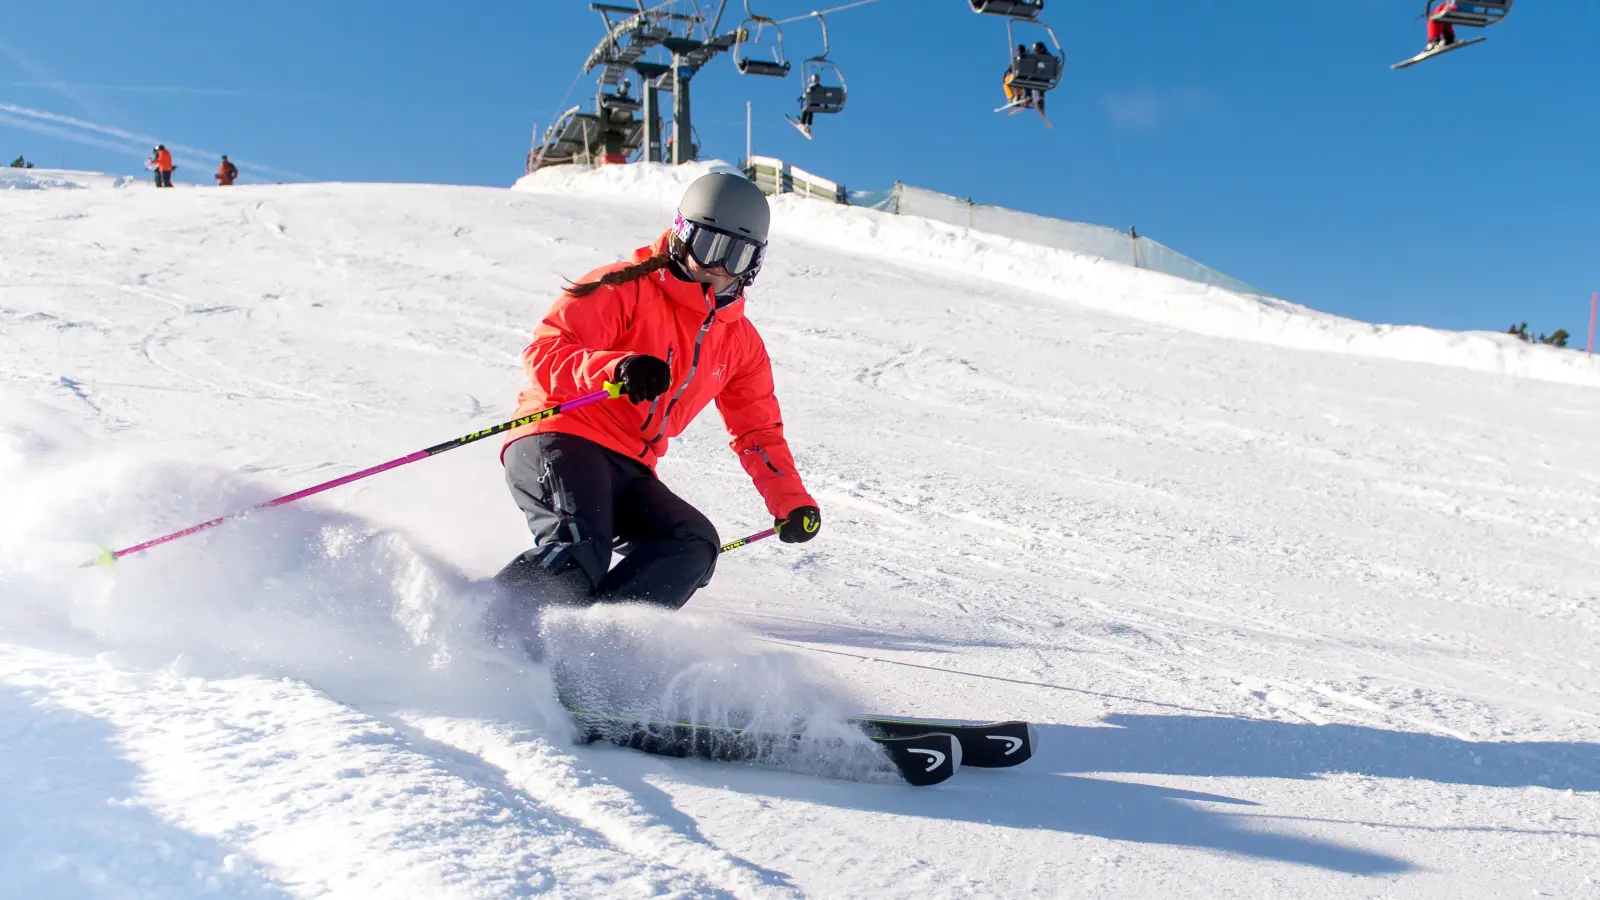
1267	139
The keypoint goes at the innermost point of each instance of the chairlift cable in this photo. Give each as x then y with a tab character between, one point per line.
825	12
562	106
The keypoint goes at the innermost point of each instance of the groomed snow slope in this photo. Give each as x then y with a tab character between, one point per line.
1293	623
1099	284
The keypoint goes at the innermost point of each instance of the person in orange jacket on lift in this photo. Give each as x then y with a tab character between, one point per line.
227	172
669	327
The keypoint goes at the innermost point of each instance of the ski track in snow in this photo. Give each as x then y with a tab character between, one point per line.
1291	621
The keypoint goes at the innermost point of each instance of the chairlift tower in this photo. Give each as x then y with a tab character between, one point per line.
631	34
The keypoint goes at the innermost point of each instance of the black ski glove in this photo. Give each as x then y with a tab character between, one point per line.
802	525
643	377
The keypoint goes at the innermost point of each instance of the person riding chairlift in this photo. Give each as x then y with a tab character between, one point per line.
1440	34
1029	98
1014	95
806	114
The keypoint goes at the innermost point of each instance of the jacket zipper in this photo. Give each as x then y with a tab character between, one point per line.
767	459
694	365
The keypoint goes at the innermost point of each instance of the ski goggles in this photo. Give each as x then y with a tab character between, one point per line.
711	248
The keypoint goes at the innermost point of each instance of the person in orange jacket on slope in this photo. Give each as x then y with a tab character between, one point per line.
669	326
227	172
163	166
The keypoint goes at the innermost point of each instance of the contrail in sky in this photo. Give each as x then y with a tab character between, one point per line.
141	139
65	134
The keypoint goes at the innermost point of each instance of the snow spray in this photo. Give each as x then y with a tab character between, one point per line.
610	391
639	663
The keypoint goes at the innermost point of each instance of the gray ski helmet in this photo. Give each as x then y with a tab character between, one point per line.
728	203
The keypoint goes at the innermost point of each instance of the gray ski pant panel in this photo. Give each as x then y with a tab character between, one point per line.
582	501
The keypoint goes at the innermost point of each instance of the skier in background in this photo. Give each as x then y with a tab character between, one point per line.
227	172
669	326
161	161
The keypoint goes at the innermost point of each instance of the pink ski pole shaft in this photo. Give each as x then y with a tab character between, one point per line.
760	535
611	390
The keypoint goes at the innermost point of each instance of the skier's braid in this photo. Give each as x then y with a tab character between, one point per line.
621	276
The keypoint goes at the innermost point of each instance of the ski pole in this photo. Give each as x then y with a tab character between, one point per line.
611	390
760	535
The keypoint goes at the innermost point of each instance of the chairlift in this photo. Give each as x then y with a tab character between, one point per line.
750	34
620	99
824	87
1467	13
1015	9
1031	69
1471	13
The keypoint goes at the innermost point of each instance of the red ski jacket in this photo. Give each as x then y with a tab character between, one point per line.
715	355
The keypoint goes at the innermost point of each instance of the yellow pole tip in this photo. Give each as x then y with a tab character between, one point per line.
614	388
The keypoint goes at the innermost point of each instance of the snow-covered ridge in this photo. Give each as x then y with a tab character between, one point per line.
1089	281
37	179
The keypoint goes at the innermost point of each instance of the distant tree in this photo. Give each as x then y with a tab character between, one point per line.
1558	338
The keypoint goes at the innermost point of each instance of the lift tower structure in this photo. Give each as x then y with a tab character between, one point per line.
632	34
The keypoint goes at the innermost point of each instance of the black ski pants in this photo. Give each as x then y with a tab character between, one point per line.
582	502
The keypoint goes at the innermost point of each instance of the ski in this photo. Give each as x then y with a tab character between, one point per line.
1429	54
799	127
1018	106
985	745
921	758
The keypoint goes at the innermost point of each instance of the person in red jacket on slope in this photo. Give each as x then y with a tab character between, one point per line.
668	325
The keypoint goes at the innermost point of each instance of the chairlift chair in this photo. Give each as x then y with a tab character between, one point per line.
1034	71
820	97
620	99
1016	9
1471	13
828	94
1468	13
749	35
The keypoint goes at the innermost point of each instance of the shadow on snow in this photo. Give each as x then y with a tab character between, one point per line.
1255	748
1048	793
71	826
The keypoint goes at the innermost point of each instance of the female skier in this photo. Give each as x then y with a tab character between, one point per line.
669	327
